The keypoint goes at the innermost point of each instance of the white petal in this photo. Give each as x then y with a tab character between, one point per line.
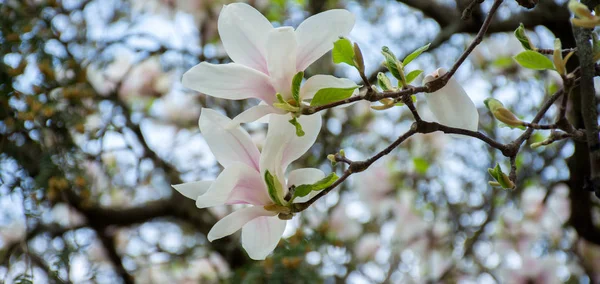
230	81
282	146
194	189
451	105
234	221
237	184
318	82
305	176
253	114
243	31
281	59
228	145
317	34
261	235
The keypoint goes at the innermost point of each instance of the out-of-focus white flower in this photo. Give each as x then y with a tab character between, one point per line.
105	79
146	79
374	187
267	58
451	105
409	225
178	108
243	180
367	247
343	226
14	232
168	8
66	216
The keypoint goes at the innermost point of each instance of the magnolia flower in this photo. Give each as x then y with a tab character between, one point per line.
243	179
267	58
451	105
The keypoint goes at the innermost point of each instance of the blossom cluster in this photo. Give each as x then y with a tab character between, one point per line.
268	65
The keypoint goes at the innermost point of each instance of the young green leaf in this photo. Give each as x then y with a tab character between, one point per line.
305	189
284	105
274	188
413	75
295	123
343	52
391	62
521	35
384	82
328	95
296	81
534	60
415	54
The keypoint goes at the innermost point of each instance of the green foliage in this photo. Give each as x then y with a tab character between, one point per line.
534	60
295	123
501	178
415	54
329	95
413	75
421	165
343	52
305	189
521	35
296	81
274	188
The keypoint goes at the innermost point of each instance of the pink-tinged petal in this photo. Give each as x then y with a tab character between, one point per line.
281	59
243	31
282	146
305	176
234	221
261	235
194	189
451	105
253	114
318	82
229	145
230	81
317	34
237	184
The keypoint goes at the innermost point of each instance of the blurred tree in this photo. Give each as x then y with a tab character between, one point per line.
95	127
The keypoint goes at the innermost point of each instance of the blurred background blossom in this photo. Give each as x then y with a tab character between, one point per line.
95	126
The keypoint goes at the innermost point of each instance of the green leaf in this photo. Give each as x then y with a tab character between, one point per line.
295	123
328	95
343	52
305	189
413	75
503	62
283	105
384	82
421	165
393	65
534	60
274	188
296	81
415	54
521	35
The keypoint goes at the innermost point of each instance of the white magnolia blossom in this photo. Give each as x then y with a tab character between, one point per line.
451	105
242	180
267	58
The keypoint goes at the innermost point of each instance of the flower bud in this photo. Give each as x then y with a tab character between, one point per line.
358	59
502	114
580	10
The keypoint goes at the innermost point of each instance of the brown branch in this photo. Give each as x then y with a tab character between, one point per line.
588	101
